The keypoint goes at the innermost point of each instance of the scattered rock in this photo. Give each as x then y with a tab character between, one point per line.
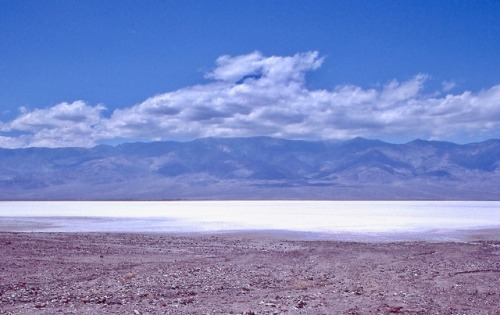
40	305
187	300
55	273
395	309
129	276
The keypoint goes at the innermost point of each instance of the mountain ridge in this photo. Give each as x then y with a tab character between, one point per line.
255	168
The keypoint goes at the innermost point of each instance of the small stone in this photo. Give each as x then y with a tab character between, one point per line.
40	305
129	276
301	304
395	309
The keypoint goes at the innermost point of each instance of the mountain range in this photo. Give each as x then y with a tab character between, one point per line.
255	168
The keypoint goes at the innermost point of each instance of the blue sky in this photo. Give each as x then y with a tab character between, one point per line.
80	73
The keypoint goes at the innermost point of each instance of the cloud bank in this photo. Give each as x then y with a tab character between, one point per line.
253	94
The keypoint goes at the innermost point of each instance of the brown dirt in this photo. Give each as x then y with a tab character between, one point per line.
63	273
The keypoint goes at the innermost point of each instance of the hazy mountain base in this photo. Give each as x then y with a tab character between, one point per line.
186	189
255	168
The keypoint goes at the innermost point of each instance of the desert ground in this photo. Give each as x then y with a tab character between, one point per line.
243	273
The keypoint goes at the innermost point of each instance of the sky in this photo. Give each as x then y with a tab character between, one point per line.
82	73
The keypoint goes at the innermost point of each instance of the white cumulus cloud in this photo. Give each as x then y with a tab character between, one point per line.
64	124
254	94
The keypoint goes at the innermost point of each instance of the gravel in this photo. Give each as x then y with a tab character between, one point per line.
86	273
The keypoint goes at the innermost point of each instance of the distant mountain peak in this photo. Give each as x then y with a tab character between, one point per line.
255	168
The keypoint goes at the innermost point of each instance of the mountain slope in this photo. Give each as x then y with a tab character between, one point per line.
254	168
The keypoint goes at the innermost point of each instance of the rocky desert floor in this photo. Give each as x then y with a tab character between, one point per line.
86	273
